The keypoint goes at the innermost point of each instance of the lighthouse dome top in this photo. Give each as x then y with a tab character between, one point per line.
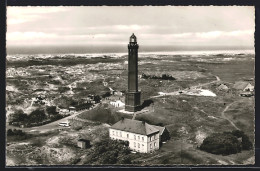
133	38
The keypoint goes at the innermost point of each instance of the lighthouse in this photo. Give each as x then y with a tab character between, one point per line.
133	96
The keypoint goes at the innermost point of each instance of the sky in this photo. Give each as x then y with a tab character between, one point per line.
106	26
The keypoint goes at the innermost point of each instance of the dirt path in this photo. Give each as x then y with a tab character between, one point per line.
223	115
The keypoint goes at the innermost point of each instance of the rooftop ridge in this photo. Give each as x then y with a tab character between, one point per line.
135	126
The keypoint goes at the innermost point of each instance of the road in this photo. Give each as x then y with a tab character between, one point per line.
223	115
50	126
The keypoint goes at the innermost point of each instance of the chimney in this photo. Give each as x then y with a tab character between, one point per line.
143	122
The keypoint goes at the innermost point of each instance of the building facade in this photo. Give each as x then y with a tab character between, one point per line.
133	96
142	137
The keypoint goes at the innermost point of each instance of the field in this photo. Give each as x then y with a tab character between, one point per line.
188	118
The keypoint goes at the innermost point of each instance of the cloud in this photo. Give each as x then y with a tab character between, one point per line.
170	25
216	34
19	15
238	37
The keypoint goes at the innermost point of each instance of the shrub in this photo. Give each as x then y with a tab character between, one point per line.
51	110
107	94
64	102
17	116
37	115
16	134
147	103
110	152
226	143
246	143
63	89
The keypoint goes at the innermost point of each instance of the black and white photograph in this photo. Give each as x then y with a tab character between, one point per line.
130	85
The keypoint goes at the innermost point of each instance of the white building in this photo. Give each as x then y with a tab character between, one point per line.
142	137
117	103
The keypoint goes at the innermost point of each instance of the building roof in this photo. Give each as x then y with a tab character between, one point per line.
240	85
83	140
161	129
135	126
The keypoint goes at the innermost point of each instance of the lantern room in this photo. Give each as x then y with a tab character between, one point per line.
133	39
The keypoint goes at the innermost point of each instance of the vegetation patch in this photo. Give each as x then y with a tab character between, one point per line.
109	152
16	135
226	143
163	77
103	115
35	118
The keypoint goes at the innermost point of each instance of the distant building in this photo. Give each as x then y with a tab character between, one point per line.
93	99
142	137
117	103
82	143
244	86
72	109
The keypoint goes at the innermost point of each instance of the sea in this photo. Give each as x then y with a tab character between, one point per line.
25	53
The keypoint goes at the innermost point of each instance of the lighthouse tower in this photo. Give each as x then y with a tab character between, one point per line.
133	96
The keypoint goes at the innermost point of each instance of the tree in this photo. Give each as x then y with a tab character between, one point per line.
221	143
37	115
51	110
97	98
17	116
10	132
107	94
64	102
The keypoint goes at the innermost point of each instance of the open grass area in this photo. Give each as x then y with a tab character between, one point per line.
231	71
243	114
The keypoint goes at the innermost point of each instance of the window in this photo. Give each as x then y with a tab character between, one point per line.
116	133
120	134
138	137
138	145
151	146
134	137
154	137
134	144
127	135
150	138
113	133
142	138
155	144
